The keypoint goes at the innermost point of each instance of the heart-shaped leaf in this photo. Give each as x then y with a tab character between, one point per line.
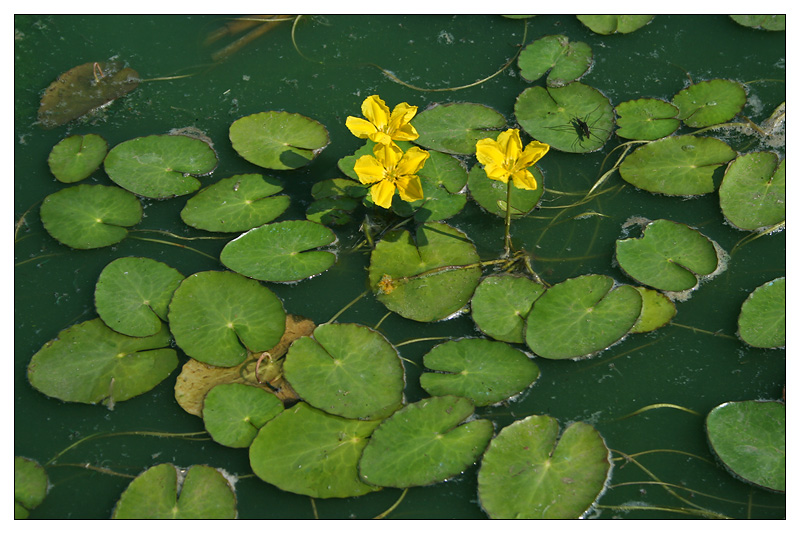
165	492
76	157
90	216
749	437
281	252
529	472
566	61
233	413
646	119
581	316
361	371
501	303
657	311
218	316
90	363
236	204
710	102
753	192
484	371
30	486
307	451
492	195
762	321
608	24
425	442
160	166
455	128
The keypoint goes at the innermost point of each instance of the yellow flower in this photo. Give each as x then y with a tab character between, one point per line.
504	158
392	169
383	127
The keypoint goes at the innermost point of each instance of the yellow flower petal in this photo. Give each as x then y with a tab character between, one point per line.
412	161
496	172
409	187
388	154
488	152
359	127
369	170
382	193
524	179
532	153
376	111
399	128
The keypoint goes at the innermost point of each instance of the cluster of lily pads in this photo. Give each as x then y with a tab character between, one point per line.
321	408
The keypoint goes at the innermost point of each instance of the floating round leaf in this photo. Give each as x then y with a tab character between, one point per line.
484	371
90	363
76	157
83	89
646	119
233	413
455	128
657	310
30	486
281	252
573	118
348	370
529	472
762	321
424	443
567	61
164	492
492	195
749	437
217	316
669	256
338	187
608	24
581	316
278	140
753	192
682	165
426	280
160	166
132	295
90	216
501	303
236	204
443	179
762	22
710	102
332	211
307	451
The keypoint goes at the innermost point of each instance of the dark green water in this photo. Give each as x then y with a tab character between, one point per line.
696	362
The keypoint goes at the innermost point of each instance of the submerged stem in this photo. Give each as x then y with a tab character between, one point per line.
392	507
507	238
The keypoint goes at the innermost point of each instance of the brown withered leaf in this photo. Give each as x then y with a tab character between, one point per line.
196	379
83	89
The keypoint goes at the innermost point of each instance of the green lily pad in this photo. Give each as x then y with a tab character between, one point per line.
443	179
581	316
83	89
307	451
455	128
160	166
90	363
166	492
573	118
501	303
236	204
483	371
76	157
30	486
749	437
360	370
281	252
646	119
669	256
233	413
217	316
278	140
332	211
753	192
657	311
492	195
710	102
90	216
608	24
762	320
420	278
679	166
566	61
424	443
529	472
338	187
762	22
132	295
